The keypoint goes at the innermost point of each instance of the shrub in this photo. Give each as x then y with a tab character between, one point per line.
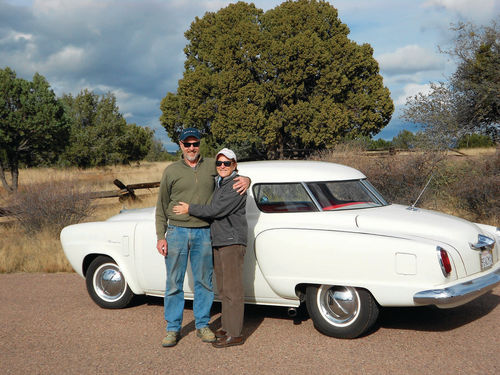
478	189
51	205
475	140
380	144
158	153
405	140
401	178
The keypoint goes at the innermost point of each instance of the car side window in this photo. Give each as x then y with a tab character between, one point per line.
341	195
285	197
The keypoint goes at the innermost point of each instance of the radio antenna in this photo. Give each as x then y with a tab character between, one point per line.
412	207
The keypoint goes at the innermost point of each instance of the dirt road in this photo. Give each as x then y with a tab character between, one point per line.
49	325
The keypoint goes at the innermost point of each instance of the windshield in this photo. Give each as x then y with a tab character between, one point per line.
342	195
311	196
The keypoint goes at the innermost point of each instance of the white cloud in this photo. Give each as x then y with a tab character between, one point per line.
69	58
63	6
473	10
412	89
13	36
408	59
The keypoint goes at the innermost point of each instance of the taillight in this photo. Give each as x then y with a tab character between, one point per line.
444	261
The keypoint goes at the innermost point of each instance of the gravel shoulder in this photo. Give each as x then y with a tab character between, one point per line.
49	325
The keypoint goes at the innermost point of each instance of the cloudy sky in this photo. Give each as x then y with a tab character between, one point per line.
134	48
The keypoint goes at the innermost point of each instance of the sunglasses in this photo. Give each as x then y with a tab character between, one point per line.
189	144
226	163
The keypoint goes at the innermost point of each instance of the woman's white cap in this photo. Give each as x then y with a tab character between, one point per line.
227	153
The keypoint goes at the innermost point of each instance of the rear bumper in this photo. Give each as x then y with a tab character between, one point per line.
458	294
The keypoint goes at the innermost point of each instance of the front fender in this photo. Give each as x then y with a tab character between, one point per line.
112	239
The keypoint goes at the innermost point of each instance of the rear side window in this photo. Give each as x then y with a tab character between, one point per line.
286	197
344	195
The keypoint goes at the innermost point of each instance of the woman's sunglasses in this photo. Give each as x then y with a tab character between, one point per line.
226	163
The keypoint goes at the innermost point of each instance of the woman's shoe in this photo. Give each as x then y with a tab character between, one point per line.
228	341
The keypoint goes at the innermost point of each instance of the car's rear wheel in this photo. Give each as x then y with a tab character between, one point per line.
107	285
341	311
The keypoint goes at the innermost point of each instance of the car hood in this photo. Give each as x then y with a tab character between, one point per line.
400	220
135	214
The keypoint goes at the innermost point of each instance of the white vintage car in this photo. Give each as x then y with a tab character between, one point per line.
319	233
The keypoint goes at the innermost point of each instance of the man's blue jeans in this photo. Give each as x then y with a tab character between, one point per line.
195	243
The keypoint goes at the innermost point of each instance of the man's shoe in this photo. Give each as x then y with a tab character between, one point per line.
228	341
220	333
205	334
170	339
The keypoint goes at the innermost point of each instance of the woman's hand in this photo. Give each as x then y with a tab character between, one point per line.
181	208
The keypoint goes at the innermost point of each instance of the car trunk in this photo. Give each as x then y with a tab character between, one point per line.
458	233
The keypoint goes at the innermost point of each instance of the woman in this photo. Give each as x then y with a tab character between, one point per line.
229	237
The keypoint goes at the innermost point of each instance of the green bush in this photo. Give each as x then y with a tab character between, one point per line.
380	144
474	141
158	153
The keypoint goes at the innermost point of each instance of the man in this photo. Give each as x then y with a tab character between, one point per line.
190	179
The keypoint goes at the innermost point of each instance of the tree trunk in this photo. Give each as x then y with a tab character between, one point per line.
5	184
14	174
276	151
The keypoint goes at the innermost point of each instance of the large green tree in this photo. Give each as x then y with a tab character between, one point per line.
469	102
287	79
33	128
99	133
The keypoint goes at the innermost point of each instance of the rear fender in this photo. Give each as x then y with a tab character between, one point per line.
392	269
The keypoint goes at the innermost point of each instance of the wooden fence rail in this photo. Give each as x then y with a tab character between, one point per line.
125	192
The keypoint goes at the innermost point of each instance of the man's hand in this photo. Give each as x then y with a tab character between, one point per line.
242	184
162	247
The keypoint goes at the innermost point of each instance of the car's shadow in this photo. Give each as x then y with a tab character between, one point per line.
425	318
254	315
433	319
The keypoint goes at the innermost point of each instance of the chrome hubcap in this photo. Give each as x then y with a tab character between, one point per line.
339	305
109	282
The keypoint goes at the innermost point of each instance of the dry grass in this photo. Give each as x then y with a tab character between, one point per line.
102	177
479	151
38	252
42	251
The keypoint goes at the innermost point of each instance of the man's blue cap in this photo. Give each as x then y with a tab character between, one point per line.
189	132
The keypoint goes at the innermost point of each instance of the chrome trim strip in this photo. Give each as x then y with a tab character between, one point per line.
311	195
455	294
367	184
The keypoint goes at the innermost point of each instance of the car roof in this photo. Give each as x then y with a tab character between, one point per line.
297	171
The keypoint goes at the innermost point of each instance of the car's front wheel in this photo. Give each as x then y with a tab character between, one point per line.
107	285
341	311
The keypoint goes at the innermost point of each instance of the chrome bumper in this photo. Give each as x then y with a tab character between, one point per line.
460	293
